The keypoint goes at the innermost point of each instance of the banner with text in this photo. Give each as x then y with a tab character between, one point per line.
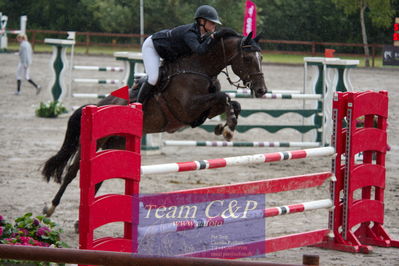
208	225
249	18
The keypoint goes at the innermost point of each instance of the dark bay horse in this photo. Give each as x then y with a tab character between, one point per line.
188	93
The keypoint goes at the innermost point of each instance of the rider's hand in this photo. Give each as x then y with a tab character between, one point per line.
217	35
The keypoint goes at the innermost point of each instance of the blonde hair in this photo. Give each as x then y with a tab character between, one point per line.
22	36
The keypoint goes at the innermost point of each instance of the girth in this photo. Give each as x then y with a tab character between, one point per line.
173	122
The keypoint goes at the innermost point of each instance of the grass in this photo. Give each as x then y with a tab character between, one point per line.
267	57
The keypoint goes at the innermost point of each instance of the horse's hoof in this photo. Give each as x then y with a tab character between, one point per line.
218	130
228	134
48	211
76	226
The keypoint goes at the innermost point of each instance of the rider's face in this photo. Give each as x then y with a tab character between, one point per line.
210	26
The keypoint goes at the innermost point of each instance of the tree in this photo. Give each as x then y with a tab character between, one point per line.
379	11
119	16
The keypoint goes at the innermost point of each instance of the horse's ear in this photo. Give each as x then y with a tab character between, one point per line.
258	37
247	39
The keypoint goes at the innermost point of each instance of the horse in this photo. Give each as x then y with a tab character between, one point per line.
187	93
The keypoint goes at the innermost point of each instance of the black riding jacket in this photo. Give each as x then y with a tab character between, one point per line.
181	41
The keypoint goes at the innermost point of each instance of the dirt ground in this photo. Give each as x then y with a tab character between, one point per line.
27	141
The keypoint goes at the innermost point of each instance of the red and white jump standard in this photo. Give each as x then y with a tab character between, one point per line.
345	212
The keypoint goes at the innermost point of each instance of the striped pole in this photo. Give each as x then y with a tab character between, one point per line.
97	68
248	91
192	224
238	160
279	96
239	144
89	95
98	81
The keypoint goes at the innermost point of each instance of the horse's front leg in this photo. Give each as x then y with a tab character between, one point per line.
218	103
232	110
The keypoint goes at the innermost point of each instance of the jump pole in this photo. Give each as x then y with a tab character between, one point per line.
98	81
89	95
237	160
248	91
98	68
239	144
278	96
193	224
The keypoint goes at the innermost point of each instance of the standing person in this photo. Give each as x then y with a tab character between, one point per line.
171	44
25	60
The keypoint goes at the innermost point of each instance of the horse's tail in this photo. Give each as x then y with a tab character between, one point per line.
55	165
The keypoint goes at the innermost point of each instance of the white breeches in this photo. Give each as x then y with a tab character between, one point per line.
151	60
22	72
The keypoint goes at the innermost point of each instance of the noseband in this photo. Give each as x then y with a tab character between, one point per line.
247	81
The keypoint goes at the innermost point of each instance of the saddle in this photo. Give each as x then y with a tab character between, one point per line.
166	72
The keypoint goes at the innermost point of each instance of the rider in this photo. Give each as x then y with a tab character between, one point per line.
171	44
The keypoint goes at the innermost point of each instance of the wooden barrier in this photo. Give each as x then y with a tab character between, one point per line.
75	256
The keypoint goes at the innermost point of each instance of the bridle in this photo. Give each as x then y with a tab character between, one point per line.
247	81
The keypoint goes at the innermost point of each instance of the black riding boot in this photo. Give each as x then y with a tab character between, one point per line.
144	92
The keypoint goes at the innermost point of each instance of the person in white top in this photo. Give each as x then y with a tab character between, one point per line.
25	60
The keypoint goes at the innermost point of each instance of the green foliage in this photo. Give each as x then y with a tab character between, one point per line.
30	231
312	20
114	15
380	11
51	110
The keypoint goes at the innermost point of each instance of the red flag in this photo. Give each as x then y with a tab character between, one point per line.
122	93
249	19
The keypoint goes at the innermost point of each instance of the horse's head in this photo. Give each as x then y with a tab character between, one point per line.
247	64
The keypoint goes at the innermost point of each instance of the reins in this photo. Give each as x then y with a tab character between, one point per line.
236	83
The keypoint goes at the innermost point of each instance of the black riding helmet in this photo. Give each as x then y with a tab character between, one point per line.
208	13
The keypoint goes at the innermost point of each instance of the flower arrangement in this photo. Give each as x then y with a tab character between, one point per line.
51	109
30	231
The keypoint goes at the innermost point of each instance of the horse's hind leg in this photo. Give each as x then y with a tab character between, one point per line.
73	171
70	175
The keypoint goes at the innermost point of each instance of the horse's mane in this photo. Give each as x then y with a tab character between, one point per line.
227	32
